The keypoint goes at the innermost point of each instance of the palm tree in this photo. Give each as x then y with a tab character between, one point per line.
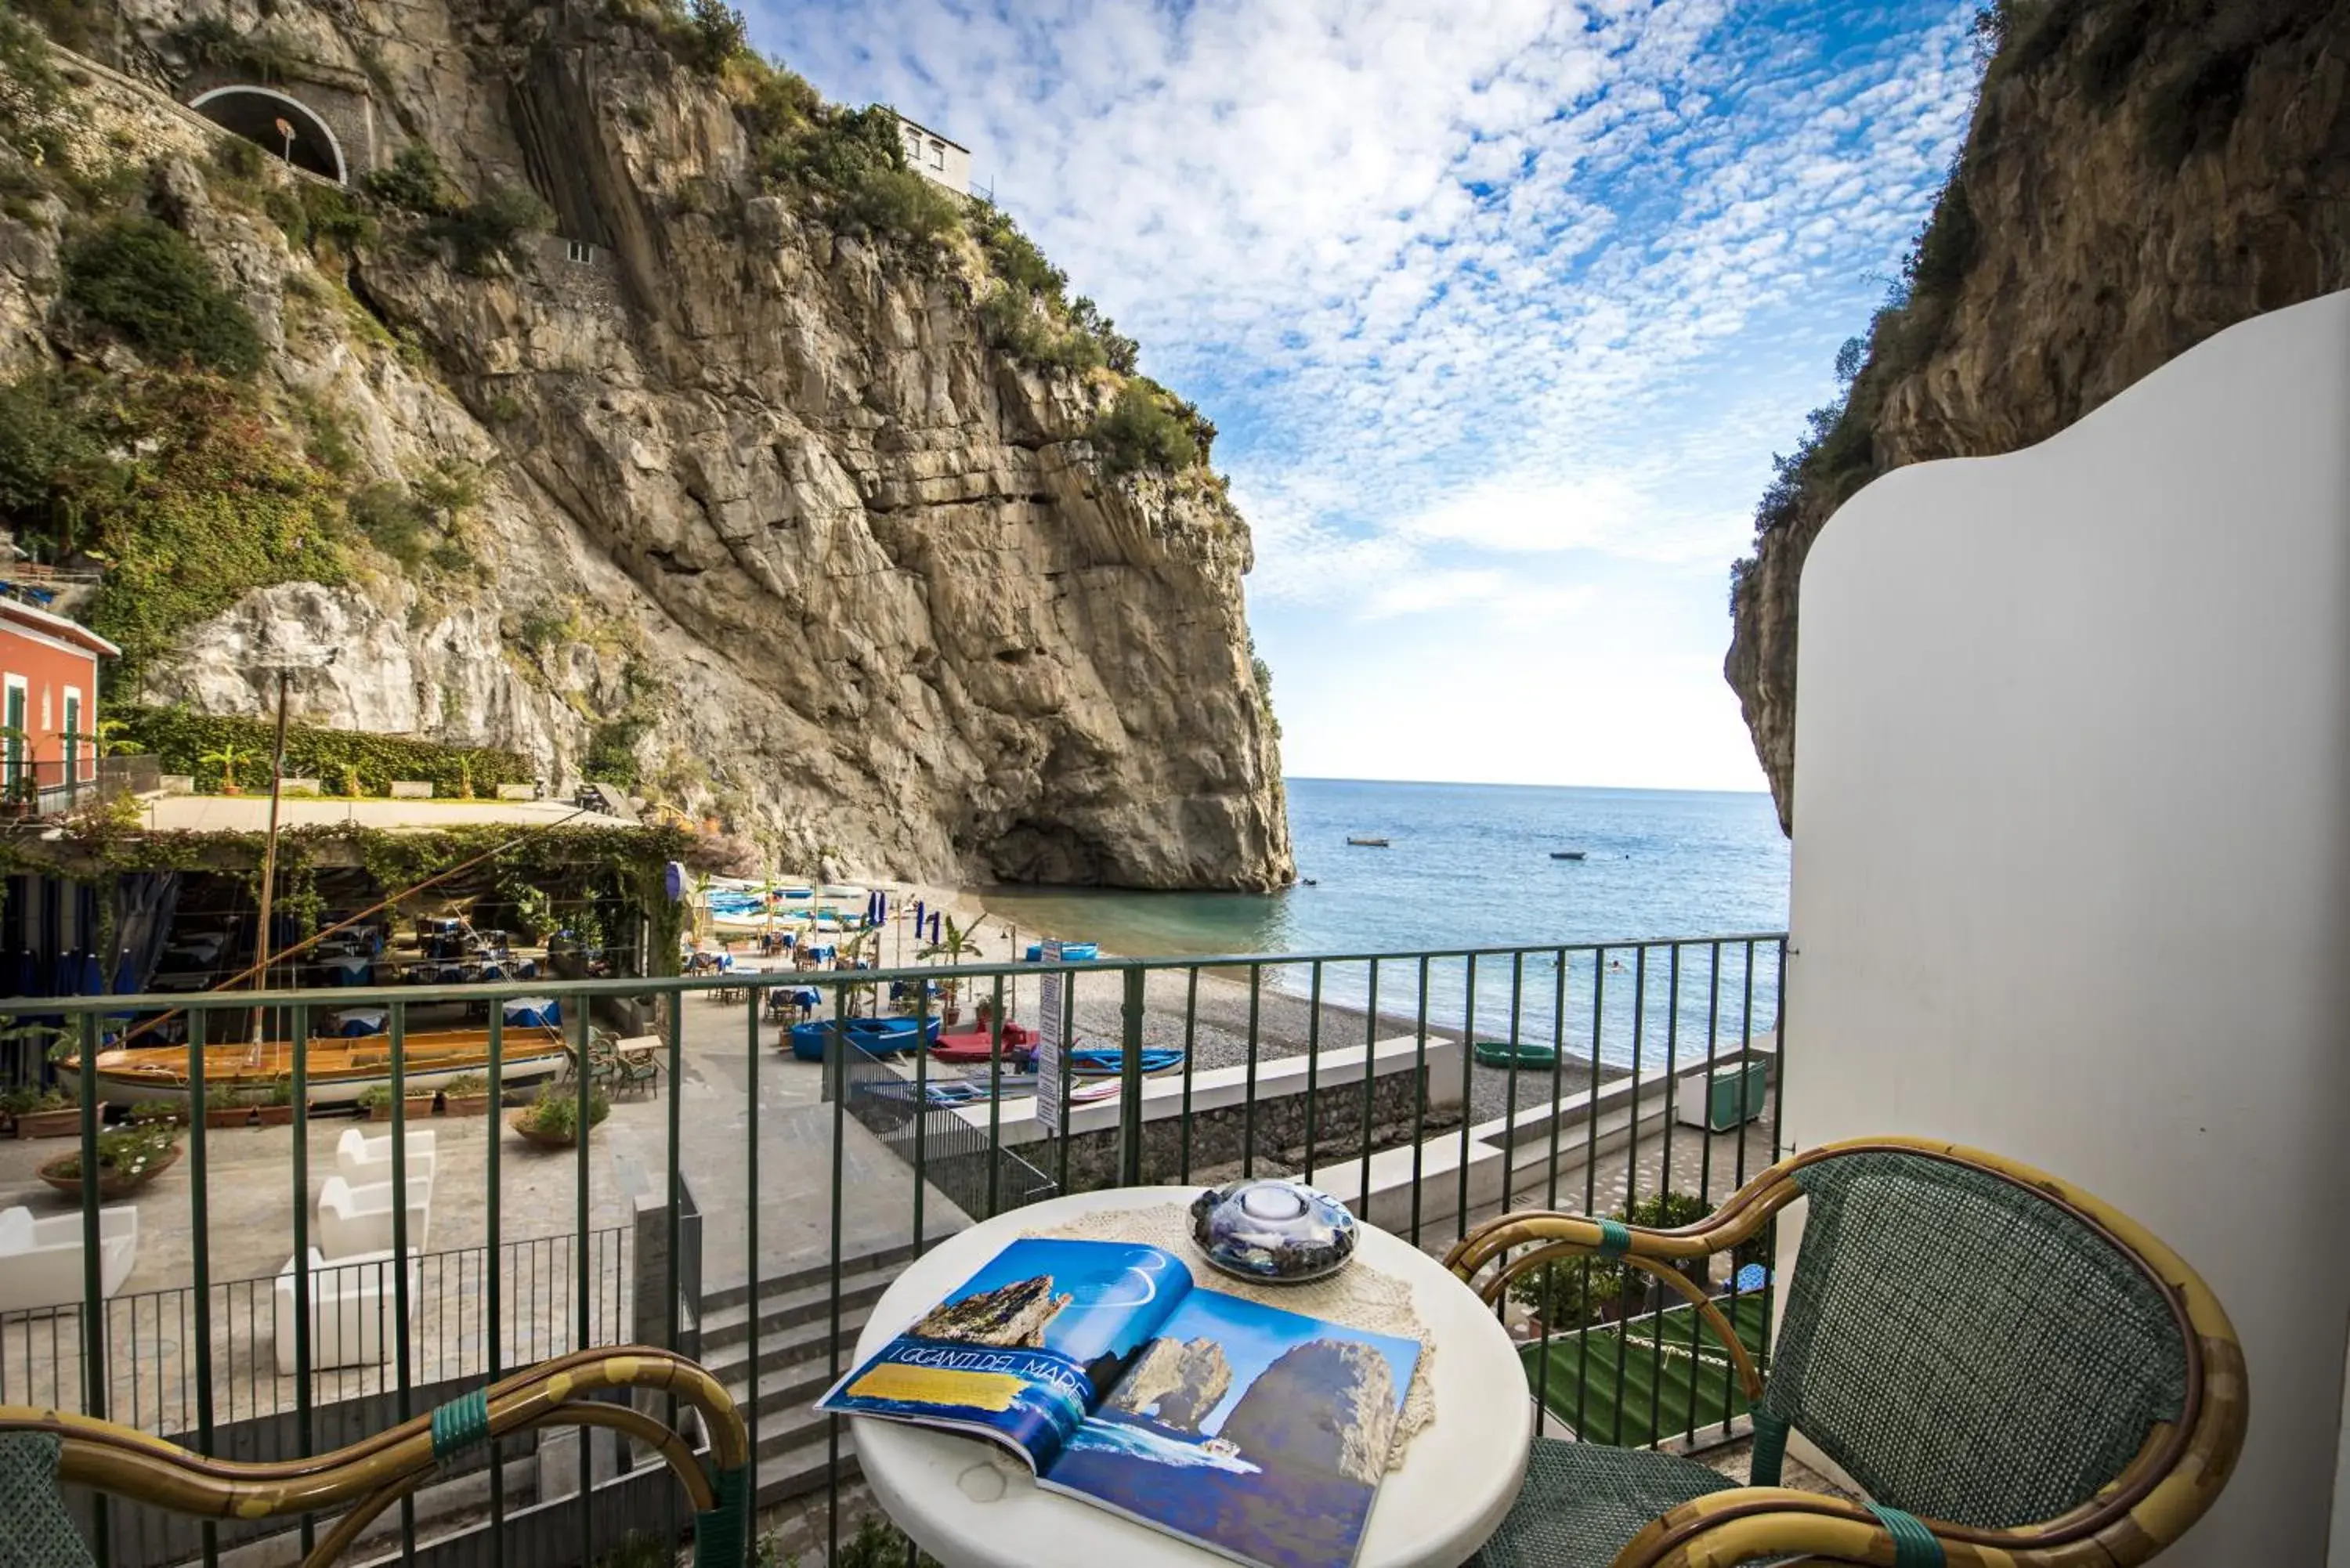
227	758
954	945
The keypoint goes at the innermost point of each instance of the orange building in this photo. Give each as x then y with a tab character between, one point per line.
48	703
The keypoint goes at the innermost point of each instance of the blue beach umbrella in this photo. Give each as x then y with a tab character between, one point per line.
92	978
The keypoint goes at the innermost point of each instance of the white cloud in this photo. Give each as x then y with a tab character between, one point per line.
1467	283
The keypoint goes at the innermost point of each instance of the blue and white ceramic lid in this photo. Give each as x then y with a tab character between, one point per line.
1273	1231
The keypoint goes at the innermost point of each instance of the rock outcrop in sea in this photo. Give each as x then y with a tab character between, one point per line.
641	419
1176	1383
2139	175
1012	1315
1327	1406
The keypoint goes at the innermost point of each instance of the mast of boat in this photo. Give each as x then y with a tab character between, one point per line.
269	860
380	904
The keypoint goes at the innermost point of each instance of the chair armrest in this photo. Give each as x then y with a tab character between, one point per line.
1755	1524
375	1472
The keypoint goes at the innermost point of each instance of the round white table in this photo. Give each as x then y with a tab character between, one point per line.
972	1504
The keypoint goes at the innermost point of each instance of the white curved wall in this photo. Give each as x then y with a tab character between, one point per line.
2072	856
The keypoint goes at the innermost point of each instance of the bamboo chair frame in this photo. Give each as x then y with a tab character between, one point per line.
2170	1484
375	1472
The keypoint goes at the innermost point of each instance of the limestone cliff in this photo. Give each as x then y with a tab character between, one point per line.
1327	1406
2139	175
1014	1314
721	483
1176	1381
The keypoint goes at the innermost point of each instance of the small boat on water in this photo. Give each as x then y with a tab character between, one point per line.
338	1070
1524	1055
1568	854
1367	841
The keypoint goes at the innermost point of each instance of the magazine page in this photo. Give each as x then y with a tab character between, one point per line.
1026	1347
1253	1432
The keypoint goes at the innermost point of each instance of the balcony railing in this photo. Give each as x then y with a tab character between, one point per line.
747	1209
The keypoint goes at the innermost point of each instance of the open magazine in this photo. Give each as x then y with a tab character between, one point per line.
1253	1432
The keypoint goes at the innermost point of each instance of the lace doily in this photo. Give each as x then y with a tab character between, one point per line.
1356	1296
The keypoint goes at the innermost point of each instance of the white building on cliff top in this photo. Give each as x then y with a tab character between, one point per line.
946	162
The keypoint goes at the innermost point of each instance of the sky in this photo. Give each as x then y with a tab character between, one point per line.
1501	309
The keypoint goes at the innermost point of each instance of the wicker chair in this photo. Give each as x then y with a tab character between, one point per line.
40	1450
2014	1373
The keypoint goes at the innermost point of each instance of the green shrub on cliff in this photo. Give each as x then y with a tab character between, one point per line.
412	182
179	484
1139	431
148	284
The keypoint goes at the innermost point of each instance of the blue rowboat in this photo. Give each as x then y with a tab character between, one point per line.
875	1036
1104	1060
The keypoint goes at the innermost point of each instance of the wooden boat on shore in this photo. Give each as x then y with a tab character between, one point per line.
337	1070
977	1045
1524	1056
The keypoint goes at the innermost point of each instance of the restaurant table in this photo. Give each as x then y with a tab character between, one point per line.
972	1504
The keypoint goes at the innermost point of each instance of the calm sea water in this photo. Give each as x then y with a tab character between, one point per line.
1468	865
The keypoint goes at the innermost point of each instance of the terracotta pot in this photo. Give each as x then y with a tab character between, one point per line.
464	1105
109	1184
418	1105
62	1123
273	1115
521	1123
231	1115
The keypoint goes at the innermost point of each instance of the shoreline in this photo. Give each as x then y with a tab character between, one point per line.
1285	1020
1213	1025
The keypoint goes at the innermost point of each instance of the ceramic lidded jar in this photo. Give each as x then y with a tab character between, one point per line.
1274	1231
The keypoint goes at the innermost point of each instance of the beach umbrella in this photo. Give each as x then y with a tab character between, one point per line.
92	978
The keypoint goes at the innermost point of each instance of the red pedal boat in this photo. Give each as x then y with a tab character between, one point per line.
972	1045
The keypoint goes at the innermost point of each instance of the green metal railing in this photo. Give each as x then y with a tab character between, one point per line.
773	1210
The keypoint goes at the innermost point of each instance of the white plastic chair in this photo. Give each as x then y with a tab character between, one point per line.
41	1261
355	1219
354	1310
360	1159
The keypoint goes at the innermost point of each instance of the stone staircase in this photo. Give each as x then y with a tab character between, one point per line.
792	1446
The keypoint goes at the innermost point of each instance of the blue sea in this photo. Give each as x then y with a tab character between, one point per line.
1468	865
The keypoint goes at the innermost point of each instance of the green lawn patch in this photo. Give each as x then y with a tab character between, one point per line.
1617	1384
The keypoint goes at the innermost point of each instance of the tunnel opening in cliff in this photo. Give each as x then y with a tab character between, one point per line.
283	125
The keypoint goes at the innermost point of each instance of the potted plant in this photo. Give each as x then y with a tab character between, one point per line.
233	1107
273	1107
149	1112
552	1120
376	1100
954	945
128	1159
227	758
468	1095
53	1112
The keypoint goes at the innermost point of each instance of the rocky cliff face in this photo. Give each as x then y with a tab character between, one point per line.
1326	1406
750	503
1009	1315
2139	175
1177	1381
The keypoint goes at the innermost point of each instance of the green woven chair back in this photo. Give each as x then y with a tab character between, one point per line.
37	1532
1966	1349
